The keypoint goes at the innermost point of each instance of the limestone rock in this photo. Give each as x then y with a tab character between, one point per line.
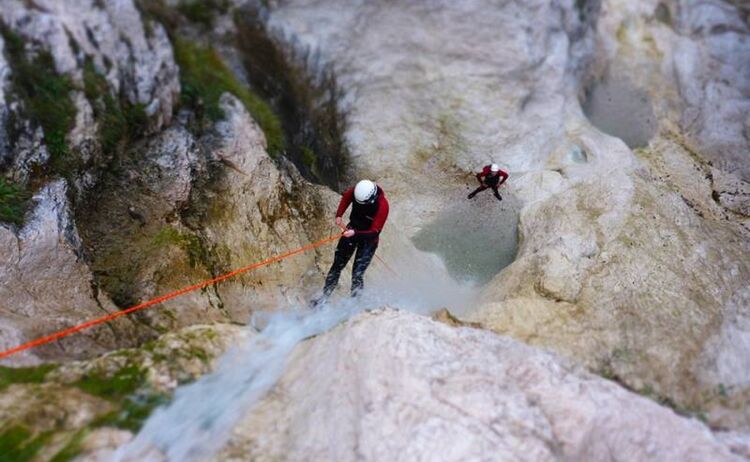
138	62
626	260
4	72
259	210
46	253
410	388
86	409
692	59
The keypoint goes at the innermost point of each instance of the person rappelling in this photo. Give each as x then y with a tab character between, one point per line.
361	235
491	176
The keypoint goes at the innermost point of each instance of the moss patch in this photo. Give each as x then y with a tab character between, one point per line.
128	389
119	121
45	97
71	449
13	201
304	93
190	243
117	385
203	12
18	444
205	77
11	375
133	412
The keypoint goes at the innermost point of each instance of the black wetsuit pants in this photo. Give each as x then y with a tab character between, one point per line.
365	247
482	188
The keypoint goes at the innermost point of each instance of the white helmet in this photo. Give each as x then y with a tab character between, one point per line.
494	168
365	191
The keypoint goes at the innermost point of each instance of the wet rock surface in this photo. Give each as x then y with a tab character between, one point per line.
84	410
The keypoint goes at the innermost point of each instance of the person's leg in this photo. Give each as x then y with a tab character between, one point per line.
478	190
365	252
496	193
344	251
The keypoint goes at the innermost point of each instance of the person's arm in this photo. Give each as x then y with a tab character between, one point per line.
346	200
504	176
380	217
480	176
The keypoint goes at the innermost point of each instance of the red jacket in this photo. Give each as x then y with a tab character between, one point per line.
367	218
486	174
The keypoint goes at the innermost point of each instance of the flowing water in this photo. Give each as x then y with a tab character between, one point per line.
201	416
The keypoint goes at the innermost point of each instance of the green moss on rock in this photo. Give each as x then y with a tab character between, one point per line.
19	444
13	201
112	386
11	375
45	97
205	77
72	448
203	12
119	121
133	412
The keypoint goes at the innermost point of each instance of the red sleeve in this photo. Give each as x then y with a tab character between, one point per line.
485	171
504	175
346	199
379	220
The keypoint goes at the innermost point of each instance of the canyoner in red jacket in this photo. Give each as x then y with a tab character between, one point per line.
490	177
366	221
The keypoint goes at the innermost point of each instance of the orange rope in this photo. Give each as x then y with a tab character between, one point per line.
163	298
376	256
387	266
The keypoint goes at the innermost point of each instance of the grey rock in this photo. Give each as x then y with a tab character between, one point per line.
46	286
409	388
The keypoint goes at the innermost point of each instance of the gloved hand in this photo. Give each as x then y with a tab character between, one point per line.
349	233
339	222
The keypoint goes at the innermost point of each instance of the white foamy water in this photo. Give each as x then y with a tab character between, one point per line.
200	418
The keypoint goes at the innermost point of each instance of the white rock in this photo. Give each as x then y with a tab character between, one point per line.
392	385
139	64
46	285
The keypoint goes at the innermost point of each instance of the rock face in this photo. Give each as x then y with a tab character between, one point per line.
628	260
412	389
138	62
192	209
84	409
138	215
437	88
46	254
632	257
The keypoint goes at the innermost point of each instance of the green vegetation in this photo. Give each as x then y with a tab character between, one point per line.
127	380
11	375
71	449
205	77
127	388
45	95
119	122
308	157
18	444
132	413
13	200
188	242
203	11
305	95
